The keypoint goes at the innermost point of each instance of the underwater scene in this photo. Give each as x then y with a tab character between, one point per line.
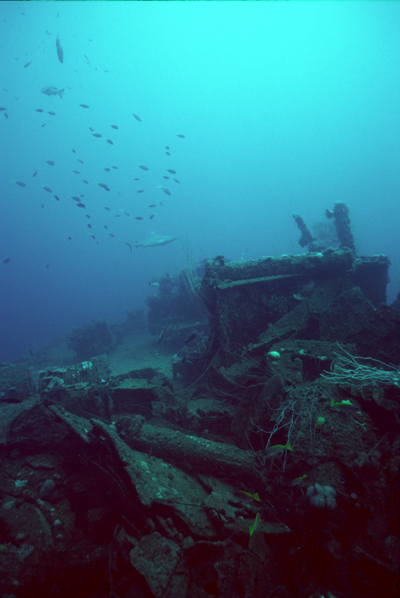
199	299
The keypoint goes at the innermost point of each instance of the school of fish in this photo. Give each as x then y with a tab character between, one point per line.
147	186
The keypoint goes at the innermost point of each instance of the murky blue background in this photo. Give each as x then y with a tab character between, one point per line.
285	107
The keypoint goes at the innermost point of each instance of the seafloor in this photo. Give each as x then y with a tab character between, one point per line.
240	440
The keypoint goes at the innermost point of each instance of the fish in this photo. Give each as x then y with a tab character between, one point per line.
161	336
76	172
27	64
80	205
137	117
106	169
190	338
109	141
181	136
56	196
136	179
140	191
153	241
104	186
108	209
96	135
344	406
89	226
152	205
73	151
166	177
152	216
111	235
297	481
126	213
176	180
171	171
87	215
49	162
35	173
254	526
69	238
167	147
114	126
138	217
83	105
143	167
20	183
52	113
277	449
85	181
75	198
115	167
47	189
254	496
52	91
8	259
90	129
6	115
79	160
168	154
167	191
60	52
39	110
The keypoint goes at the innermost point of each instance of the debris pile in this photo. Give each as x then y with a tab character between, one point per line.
273	472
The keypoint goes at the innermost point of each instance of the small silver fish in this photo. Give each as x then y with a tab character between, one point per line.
277	449
52	91
60	52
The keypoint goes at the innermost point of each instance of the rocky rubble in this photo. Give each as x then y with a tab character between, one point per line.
274	473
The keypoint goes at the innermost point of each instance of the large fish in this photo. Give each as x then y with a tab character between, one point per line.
60	52
52	91
153	241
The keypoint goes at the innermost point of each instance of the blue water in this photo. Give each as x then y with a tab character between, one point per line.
285	107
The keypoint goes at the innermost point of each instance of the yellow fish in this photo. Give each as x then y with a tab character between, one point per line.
253	496
254	526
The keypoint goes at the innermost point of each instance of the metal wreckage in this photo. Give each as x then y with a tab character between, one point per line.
267	465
